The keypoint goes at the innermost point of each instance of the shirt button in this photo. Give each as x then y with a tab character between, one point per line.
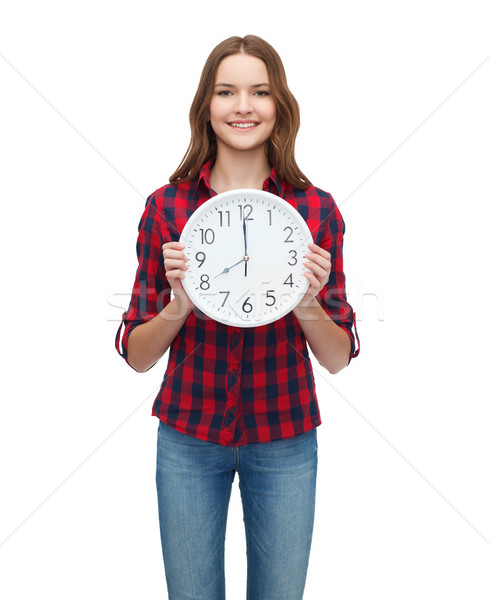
235	367
237	330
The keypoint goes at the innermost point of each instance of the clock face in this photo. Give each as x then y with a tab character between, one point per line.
246	250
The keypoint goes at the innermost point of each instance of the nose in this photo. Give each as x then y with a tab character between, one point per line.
243	104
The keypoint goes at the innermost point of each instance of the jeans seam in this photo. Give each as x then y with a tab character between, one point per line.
224	534
246	539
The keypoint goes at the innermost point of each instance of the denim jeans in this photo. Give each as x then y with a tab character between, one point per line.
277	482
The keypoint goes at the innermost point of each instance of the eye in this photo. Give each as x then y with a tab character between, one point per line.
224	93
262	93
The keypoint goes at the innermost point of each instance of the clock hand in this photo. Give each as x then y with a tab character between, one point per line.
245	235
245	228
245	258
229	268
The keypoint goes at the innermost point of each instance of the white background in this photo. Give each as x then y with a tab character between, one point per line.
395	125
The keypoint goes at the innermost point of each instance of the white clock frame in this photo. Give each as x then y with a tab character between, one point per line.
277	241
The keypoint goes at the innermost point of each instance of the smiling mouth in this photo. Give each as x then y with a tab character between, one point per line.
244	125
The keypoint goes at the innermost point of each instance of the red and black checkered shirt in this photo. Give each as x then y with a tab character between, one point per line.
228	385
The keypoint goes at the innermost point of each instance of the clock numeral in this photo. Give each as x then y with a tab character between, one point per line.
204	285
201	257
245	212
270	296
246	306
294	253
289	235
220	212
289	280
270	216
207	236
226	297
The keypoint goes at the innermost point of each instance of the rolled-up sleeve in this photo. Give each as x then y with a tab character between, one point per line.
151	291
332	297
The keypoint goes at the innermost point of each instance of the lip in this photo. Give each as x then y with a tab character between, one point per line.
256	124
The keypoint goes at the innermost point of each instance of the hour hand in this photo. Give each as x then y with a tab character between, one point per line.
229	268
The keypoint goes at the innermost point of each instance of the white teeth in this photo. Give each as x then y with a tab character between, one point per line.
243	125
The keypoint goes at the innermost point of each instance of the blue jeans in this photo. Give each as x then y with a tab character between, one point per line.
277	483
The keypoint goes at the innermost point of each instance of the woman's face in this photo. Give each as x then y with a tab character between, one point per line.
242	111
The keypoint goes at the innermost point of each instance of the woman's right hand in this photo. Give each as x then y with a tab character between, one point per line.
175	263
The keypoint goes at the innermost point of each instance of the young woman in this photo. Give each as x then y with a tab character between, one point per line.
237	399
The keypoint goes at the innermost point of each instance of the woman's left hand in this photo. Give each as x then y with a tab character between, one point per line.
319	263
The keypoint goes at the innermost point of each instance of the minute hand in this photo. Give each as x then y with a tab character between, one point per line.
245	232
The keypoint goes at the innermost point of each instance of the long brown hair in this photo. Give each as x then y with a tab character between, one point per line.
279	147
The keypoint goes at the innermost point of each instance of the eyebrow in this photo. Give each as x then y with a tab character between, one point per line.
230	85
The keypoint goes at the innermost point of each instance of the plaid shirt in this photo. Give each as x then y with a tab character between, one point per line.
229	385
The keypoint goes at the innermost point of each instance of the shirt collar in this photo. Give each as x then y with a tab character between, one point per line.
271	184
275	181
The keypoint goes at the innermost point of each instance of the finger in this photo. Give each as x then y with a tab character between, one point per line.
318	270
313	279
175	274
321	275
170	253
320	260
319	250
173	245
172	263
315	285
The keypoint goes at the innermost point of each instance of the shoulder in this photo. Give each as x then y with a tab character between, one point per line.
314	200
170	191
318	196
312	194
171	199
171	205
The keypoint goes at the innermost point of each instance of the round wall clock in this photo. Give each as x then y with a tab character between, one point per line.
246	250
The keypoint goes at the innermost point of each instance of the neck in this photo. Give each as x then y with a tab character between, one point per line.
236	169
